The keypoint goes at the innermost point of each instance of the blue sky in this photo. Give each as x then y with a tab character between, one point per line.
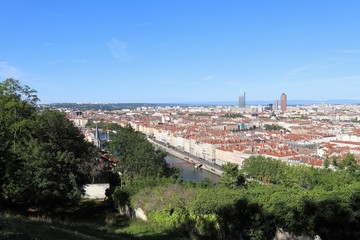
182	50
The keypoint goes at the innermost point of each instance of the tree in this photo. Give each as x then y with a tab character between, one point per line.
349	163
17	111
274	127
232	176
136	156
137	160
41	152
326	163
47	171
104	125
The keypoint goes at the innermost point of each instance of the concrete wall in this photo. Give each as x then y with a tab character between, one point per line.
95	191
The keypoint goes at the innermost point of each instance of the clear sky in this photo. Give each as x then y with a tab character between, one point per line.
182	50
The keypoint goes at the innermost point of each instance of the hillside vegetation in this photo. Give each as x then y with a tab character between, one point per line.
45	162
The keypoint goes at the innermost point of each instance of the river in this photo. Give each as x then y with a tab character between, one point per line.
189	172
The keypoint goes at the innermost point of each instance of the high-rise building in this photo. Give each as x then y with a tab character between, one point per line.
276	105
242	103
283	102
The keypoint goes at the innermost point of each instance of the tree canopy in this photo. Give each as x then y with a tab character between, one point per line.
261	208
232	176
41	152
273	171
274	127
136	156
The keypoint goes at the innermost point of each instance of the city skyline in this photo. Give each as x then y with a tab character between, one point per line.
173	52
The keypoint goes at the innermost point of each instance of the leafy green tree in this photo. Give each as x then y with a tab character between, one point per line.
104	125
48	171
349	163
206	183
273	171
326	163
335	161
41	152
232	176
232	115
17	111
264	169
136	156
275	127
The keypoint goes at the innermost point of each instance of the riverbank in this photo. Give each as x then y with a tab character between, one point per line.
215	169
189	172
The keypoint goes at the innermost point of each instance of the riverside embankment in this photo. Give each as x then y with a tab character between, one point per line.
215	169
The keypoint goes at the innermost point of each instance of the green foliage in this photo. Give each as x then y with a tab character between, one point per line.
17	227
136	156
140	165
104	125
43	163
272	127
17	109
168	197
232	176
204	226
140	183
303	201
167	205
88	220
270	170
206	183
120	198
264	169
122	194
349	163
233	115
139	229
169	218
257	211
212	200
326	163
297	199
41	152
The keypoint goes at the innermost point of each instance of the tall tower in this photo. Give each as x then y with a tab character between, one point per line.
283	102
242	103
276	105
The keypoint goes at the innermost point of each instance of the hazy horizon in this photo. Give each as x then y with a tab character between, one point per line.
250	102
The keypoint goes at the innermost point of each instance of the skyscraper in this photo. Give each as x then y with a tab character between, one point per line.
276	105
242	103
283	102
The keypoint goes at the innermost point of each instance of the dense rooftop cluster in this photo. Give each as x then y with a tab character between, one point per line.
301	135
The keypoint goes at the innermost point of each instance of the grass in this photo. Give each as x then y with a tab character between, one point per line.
19	227
90	220
139	229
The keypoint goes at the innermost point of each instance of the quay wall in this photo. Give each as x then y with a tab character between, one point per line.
187	158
